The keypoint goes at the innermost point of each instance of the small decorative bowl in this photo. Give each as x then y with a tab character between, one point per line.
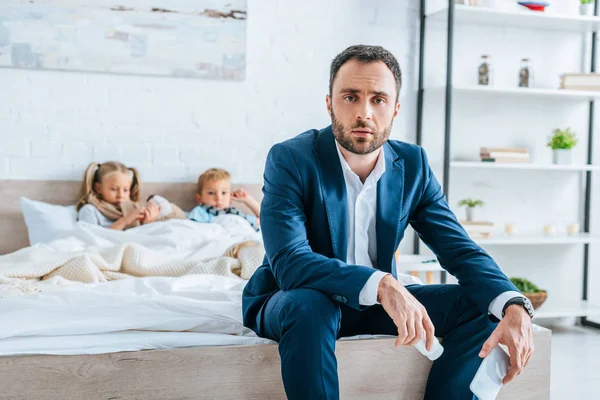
537	299
534	5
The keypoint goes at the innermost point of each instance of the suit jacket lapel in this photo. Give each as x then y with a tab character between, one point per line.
390	191
333	188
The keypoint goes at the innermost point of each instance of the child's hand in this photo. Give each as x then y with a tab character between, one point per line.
134	215
151	212
241	195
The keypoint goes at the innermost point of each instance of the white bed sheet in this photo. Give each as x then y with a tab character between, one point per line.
61	309
195	303
127	315
68	317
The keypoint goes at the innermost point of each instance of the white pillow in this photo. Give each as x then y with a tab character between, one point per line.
44	221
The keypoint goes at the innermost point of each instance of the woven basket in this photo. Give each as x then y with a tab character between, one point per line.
537	299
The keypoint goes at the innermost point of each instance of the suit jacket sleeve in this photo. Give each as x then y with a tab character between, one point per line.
283	221
438	227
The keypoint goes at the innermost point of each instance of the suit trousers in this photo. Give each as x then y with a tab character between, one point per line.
307	323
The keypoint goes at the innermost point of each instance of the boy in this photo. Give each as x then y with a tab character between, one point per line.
214	198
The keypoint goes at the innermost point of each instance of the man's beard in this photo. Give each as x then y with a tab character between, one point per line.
359	145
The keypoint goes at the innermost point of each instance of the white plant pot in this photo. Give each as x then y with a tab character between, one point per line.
469	213
586	9
561	156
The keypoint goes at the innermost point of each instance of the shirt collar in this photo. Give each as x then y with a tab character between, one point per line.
375	174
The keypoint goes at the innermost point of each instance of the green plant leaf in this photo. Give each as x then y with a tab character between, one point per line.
471	203
525	286
562	139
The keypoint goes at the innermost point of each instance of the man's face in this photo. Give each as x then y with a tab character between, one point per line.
363	106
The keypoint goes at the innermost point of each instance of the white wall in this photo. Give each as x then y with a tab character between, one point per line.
53	124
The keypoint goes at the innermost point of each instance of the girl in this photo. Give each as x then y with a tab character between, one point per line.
109	197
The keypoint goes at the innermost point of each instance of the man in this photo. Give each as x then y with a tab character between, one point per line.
336	204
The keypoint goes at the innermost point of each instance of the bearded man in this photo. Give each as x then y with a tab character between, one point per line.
336	204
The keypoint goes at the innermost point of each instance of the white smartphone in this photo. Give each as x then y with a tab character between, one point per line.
488	380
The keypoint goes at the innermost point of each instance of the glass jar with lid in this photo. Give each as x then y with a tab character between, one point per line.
525	78
485	70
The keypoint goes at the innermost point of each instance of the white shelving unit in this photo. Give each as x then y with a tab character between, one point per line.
559	94
522	20
535	240
522	166
531	20
417	263
552	309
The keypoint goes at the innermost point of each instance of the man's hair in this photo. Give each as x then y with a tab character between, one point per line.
366	54
213	174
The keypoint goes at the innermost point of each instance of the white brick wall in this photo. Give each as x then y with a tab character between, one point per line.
174	128
4	167
166	155
106	152
13	146
78	153
40	168
15	127
46	148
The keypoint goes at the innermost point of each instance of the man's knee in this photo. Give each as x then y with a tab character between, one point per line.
309	306
468	311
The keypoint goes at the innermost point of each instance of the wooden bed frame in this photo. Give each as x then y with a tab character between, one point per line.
368	369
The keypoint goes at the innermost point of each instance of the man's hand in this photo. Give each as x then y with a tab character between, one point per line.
407	313
514	331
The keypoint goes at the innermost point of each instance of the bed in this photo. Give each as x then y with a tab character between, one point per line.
159	362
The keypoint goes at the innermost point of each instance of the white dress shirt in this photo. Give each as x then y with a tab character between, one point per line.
362	236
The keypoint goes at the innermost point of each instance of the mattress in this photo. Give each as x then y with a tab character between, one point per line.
114	342
138	314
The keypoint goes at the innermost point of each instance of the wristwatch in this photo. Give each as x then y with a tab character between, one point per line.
524	301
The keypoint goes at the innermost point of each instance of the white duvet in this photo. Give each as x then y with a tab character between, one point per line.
198	303
89	253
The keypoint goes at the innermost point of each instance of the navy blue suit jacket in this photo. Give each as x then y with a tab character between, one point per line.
304	225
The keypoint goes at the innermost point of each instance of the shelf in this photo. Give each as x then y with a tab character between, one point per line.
517	91
472	15
523	166
418	263
517	239
566	309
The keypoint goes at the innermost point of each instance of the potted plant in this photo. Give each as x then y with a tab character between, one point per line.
470	204
536	295
561	143
586	7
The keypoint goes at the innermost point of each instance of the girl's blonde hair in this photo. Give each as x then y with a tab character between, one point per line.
95	172
213	174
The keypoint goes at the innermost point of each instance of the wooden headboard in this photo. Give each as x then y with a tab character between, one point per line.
13	232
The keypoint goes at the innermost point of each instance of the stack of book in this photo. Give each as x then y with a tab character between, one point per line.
504	155
478	229
580	81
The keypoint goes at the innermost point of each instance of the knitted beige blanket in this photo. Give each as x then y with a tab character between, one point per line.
127	261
